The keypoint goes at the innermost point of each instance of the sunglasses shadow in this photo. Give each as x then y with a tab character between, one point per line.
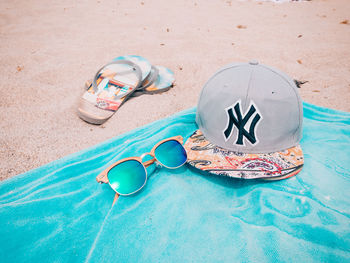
226	181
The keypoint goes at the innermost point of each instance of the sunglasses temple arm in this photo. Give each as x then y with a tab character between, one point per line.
115	198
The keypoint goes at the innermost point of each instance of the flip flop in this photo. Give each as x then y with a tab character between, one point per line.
151	78
108	91
159	80
110	88
164	81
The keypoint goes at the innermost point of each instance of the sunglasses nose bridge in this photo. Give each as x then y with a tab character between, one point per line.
149	162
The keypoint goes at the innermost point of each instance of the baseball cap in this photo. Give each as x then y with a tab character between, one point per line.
250	120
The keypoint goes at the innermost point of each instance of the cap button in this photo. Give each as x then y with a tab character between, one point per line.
253	62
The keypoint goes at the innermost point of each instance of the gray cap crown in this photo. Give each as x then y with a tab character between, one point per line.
250	108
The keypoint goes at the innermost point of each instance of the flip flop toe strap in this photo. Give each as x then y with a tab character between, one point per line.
134	67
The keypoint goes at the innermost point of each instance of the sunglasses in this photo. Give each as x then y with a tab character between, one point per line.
129	175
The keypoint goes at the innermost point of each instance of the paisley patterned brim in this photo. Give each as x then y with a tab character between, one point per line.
270	166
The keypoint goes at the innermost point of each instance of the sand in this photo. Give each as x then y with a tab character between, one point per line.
48	50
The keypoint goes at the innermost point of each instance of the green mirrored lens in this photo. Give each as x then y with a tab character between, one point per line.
127	177
171	154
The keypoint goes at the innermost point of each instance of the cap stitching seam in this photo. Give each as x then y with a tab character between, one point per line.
246	96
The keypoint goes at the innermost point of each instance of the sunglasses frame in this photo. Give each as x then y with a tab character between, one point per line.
103	176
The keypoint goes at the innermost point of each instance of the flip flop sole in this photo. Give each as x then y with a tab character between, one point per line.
91	114
139	93
164	82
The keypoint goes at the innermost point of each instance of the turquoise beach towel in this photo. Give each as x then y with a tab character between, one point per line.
58	213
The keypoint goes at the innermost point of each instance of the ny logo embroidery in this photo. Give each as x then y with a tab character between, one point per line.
239	122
